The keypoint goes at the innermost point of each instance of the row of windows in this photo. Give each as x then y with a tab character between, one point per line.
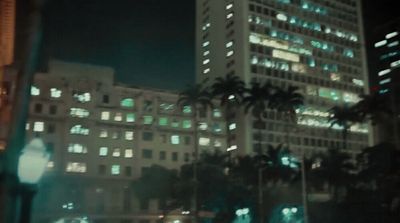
162	155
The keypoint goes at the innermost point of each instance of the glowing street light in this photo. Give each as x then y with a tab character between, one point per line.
31	166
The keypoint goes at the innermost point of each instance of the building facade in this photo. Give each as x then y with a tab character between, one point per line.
102	136
317	45
385	75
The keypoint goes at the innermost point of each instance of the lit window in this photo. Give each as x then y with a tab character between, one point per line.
118	117
79	130
187	109
55	93
130	117
206	61
217	113
115	135
83	97
76	167
229	44
207	70
175	139
205	53
175	123
348	53
350	97
79	112
216	128
128	153
116	152
103	133
230	15
147	120
127	103
232	126
167	107
358	82
217	143
163	121
232	147
38	126
204	141
335	77
395	63
383	72
391	35
186	124
203	126
285	55
380	43
50	165
298	67
76	148
206	43
229	6
229	53
128	135
103	151
35	91
105	115
392	44
385	81
27	126
115	169
281	17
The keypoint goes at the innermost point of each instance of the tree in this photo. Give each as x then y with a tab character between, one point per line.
229	90
197	97
287	101
158	182
373	107
335	168
344	117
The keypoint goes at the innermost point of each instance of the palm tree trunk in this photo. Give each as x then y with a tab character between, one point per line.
195	167
344	136
228	132
287	119
260	174
304	186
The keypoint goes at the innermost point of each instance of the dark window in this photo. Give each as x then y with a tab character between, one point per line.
174	156
128	171
187	157
51	128
162	155
147	106
38	108
147	136
143	205
106	99
147	153
102	169
50	147
53	109
187	140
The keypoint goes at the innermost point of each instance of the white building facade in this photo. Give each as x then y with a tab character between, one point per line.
317	45
102	136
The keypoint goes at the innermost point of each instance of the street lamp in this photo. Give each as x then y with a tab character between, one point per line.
31	166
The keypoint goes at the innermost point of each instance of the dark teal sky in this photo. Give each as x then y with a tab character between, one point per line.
147	42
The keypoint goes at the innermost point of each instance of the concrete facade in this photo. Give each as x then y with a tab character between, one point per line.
316	45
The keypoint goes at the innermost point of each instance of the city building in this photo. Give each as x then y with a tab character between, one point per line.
384	74
317	45
102	136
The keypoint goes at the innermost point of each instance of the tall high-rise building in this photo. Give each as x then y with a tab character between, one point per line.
384	76
317	45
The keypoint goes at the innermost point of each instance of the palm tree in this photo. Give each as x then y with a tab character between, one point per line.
197	97
257	99
344	117
335	168
229	90
287	101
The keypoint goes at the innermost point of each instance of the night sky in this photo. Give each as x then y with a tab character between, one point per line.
148	42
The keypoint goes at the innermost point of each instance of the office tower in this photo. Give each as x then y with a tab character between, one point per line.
384	75
317	45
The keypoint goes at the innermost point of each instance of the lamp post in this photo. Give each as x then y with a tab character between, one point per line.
31	166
